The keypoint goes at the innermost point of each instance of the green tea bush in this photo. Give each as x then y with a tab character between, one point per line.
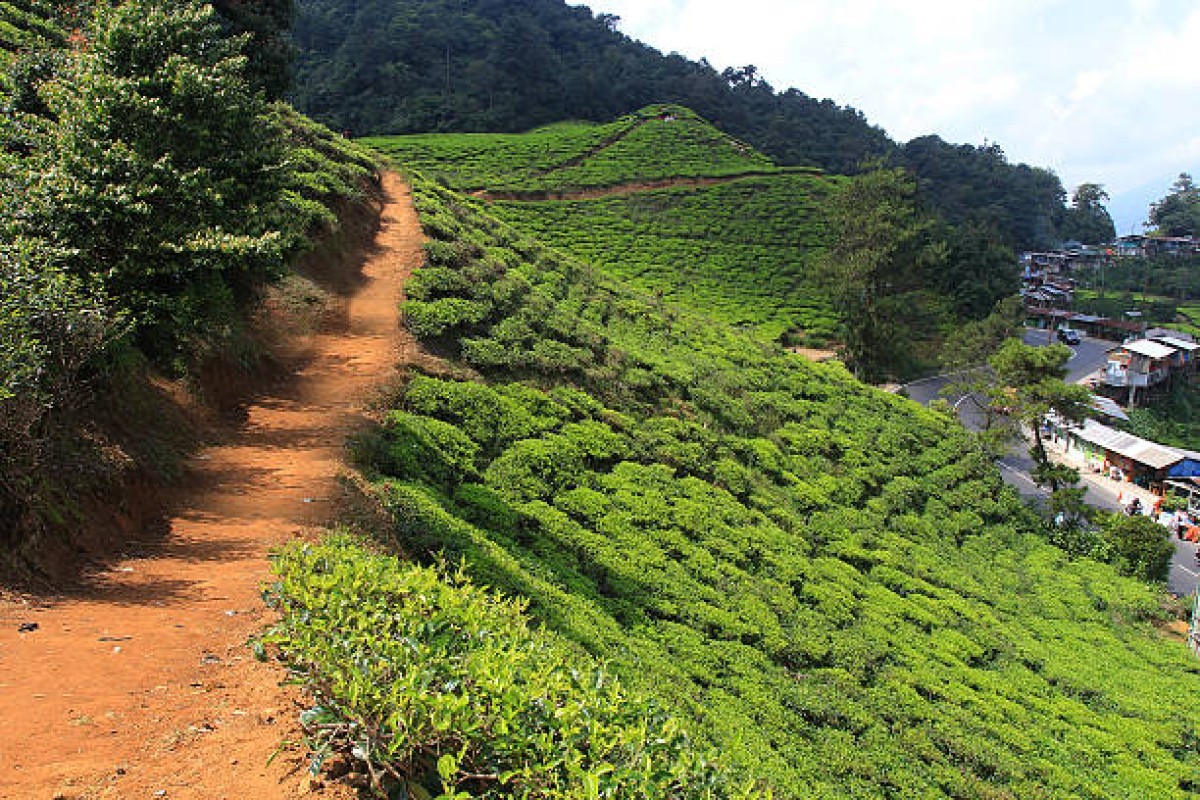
830	584
442	689
436	317
54	332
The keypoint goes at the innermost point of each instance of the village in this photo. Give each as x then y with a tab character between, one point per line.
1140	360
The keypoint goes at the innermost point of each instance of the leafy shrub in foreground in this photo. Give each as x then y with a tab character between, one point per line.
443	690
51	328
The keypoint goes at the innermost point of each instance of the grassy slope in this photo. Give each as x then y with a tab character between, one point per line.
639	147
826	582
743	251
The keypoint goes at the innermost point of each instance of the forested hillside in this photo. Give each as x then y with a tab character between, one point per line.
829	584
148	192
419	66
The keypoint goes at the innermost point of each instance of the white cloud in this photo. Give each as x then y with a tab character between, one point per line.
1097	90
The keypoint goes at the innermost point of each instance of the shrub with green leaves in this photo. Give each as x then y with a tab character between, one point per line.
1140	546
443	690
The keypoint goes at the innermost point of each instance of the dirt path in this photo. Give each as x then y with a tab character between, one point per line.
141	684
633	187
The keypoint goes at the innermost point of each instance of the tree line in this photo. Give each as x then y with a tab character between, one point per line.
381	67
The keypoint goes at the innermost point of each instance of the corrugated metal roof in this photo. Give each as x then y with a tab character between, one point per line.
1155	456
1109	408
1178	344
1149	349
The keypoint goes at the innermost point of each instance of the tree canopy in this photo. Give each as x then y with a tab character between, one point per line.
267	23
382	67
1087	220
883	249
1178	213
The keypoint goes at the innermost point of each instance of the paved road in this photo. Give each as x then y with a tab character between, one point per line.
1185	572
1087	357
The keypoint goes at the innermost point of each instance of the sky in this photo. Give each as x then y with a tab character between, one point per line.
1099	91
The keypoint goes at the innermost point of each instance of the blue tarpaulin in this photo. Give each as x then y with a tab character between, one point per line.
1188	468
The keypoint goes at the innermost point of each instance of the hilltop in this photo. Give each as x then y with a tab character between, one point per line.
657	142
662	198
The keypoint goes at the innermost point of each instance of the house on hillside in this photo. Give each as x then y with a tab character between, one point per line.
1183	360
1137	367
1117	329
1135	246
1171	333
1183	479
1132	246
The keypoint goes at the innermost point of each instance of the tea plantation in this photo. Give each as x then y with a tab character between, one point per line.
828	584
742	248
656	142
744	252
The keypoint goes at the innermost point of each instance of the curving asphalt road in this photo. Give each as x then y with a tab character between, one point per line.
1087	357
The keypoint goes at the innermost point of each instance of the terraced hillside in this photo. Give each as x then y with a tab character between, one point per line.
23	22
660	198
828	583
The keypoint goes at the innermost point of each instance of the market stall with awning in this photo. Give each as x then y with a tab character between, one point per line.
1141	461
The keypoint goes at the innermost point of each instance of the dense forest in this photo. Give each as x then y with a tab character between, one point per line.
386	67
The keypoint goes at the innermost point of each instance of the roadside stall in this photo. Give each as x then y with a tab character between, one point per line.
1119	455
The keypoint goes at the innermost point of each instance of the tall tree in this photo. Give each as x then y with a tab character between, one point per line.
1029	385
980	270
1087	220
1178	214
162	177
267	23
877	268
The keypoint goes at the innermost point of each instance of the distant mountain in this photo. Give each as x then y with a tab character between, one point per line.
425	66
381	66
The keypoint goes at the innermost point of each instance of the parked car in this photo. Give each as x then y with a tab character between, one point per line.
1069	336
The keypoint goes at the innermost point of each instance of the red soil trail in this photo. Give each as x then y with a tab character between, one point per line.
140	684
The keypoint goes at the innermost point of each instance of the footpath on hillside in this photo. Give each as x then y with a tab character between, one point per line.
140	684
